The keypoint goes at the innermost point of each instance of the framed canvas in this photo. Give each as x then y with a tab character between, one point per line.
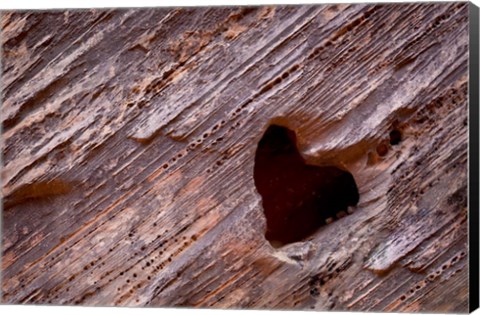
283	157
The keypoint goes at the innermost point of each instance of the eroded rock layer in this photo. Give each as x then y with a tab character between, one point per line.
129	140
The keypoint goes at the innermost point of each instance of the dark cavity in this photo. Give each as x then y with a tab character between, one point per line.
298	198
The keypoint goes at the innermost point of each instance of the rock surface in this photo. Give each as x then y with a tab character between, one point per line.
129	139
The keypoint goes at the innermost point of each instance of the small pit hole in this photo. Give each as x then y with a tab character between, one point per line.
395	137
382	149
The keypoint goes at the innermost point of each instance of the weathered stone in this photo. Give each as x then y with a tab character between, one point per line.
129	140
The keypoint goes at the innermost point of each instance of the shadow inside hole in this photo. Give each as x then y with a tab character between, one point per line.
297	198
395	137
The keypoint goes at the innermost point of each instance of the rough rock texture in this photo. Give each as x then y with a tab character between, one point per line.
129	139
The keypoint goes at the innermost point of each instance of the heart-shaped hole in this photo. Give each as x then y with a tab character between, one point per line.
298	198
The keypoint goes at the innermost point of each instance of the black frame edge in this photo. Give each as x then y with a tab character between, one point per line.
473	157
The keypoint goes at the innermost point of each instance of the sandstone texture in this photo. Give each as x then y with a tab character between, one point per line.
129	141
